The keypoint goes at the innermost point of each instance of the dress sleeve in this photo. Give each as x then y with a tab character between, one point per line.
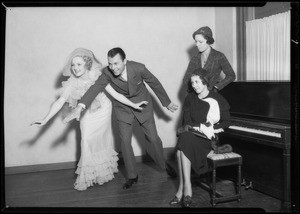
228	71
67	92
187	119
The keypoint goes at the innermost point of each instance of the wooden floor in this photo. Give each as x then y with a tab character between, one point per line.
54	189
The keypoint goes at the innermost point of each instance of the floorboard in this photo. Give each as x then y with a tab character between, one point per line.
54	189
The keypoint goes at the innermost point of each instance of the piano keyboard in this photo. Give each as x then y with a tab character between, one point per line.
256	131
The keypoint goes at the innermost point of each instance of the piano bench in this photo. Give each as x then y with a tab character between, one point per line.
221	160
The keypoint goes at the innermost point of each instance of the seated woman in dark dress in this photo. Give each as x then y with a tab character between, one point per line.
206	112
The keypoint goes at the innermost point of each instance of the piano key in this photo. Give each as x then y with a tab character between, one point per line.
256	131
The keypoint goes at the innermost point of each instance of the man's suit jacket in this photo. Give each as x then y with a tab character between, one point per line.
134	89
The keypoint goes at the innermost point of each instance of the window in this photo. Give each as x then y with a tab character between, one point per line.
245	14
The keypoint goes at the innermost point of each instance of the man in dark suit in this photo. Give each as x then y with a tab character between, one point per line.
129	78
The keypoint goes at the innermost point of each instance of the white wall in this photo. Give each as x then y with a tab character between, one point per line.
38	41
225	34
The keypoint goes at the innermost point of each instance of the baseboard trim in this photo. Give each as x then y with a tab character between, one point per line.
39	167
168	153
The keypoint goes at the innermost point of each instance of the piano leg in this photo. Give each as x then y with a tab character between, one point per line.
286	203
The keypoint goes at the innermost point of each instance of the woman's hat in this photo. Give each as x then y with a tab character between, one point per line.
205	31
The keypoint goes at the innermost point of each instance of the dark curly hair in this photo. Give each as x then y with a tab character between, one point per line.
202	73
209	40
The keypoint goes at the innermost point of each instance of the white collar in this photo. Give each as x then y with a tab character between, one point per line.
124	74
206	52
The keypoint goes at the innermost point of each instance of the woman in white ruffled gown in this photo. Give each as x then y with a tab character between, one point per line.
98	161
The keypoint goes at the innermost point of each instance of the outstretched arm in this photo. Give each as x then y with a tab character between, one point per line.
56	106
121	98
158	89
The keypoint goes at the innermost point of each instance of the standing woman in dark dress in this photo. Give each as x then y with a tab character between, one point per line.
211	60
207	112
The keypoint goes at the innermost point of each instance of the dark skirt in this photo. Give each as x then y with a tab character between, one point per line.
196	149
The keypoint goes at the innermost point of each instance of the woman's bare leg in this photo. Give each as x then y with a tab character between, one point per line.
180	175
186	169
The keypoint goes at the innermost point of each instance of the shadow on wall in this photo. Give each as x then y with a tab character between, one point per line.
191	51
72	125
60	79
62	139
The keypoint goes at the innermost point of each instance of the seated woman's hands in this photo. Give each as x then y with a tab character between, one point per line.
218	131
207	130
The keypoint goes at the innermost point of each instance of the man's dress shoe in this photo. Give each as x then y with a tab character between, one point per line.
129	182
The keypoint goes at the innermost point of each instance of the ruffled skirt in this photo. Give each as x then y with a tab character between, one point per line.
98	161
98	169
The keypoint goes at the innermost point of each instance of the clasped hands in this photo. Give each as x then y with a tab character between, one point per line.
209	131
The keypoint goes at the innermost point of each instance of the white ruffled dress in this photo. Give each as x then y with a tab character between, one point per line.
98	161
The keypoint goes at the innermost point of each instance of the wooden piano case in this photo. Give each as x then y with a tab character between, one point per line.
266	160
266	167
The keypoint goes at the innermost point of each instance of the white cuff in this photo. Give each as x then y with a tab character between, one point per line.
82	105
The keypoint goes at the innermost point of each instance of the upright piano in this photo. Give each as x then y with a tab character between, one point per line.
260	131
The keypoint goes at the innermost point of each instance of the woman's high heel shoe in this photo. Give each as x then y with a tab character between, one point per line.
175	201
187	201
